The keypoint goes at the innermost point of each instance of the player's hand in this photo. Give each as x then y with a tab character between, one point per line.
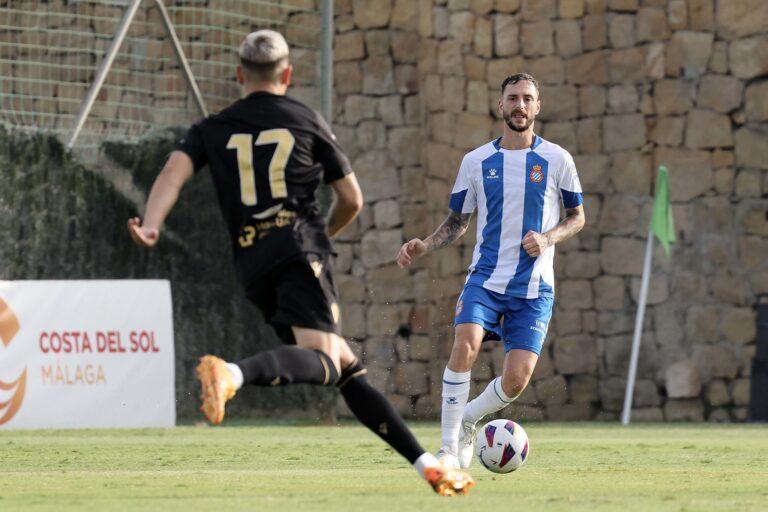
410	251
535	243
142	236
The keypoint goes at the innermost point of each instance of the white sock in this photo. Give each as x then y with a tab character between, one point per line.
455	395
237	374
492	399
425	460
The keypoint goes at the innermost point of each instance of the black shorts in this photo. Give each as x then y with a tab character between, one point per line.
298	292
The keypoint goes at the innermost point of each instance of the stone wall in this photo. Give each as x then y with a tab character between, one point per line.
626	85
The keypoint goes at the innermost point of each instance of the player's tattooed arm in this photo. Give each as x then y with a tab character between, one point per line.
572	223
449	231
536	243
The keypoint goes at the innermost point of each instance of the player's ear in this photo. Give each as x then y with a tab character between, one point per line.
287	74
240	76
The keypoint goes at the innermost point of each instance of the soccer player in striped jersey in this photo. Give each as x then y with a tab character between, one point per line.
515	183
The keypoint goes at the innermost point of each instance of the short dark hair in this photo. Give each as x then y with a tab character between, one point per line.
519	77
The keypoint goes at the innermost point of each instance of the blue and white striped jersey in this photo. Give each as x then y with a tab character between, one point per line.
515	191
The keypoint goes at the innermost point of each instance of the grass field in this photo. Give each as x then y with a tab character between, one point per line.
264	467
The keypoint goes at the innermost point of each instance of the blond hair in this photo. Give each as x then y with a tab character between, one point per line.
264	55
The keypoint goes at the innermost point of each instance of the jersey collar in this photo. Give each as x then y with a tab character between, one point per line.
536	142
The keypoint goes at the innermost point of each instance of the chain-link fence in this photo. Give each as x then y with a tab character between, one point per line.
51	51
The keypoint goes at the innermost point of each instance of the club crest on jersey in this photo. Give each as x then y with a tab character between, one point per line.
493	174
536	174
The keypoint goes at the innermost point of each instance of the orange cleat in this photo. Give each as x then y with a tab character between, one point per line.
449	481
217	387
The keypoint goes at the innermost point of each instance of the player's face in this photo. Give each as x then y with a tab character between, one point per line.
519	105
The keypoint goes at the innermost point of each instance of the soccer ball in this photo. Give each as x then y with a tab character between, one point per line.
501	446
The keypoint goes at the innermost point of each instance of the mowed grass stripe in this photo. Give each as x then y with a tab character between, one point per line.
307	468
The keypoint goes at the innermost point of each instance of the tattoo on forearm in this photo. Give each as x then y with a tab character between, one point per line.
451	229
572	223
569	226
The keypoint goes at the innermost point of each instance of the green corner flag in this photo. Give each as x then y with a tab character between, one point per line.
662	223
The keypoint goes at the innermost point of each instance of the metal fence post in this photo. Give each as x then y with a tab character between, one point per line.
326	62
109	58
186	70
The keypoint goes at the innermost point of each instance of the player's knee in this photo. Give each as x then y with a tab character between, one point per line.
514	384
329	367
346	356
330	362
323	342
352	371
464	352
514	388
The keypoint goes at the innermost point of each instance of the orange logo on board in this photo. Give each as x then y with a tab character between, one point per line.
536	174
9	326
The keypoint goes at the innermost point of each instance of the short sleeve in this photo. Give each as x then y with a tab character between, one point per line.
329	154
463	195
569	184
192	144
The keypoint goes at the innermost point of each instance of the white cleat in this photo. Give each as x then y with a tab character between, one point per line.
467	435
447	458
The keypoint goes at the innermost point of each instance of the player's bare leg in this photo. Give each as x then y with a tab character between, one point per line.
334	346
500	392
456	383
518	369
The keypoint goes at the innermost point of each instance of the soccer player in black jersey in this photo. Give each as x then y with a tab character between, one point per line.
267	154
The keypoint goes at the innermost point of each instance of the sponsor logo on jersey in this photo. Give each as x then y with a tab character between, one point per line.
536	174
261	229
493	174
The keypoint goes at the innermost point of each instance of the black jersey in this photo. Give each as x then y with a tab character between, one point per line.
267	154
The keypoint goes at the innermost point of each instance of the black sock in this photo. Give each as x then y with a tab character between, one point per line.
288	365
375	412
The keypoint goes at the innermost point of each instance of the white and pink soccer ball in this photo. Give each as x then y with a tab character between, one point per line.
501	446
